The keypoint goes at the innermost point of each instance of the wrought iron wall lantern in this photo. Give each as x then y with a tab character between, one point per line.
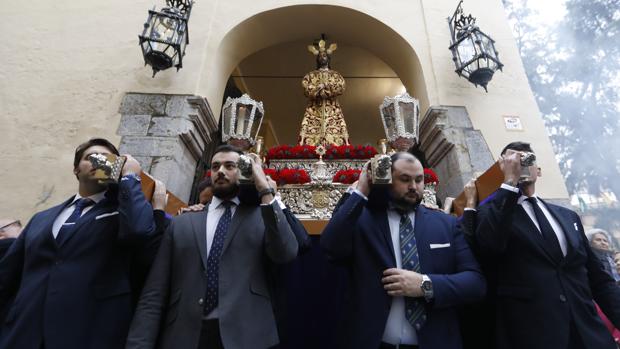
242	119
401	120
165	35
473	51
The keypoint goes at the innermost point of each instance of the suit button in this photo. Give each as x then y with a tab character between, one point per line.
562	298
201	301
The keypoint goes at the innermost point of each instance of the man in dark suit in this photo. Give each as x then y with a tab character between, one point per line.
547	274
68	270
208	286
409	266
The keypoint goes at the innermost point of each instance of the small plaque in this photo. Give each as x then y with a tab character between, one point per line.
513	123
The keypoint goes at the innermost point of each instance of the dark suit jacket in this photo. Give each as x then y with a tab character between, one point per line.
170	310
358	235
4	246
537	297
75	295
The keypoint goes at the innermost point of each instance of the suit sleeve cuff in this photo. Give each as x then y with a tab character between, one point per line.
355	191
470	209
271	202
509	187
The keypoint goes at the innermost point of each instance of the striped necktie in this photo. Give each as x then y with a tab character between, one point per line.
415	311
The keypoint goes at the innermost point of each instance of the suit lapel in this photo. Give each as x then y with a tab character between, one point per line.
88	218
531	232
383	223
569	231
199	227
420	230
53	214
241	214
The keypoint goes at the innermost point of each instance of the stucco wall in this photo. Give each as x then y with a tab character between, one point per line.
67	65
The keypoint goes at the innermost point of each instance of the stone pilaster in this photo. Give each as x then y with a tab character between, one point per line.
167	134
453	148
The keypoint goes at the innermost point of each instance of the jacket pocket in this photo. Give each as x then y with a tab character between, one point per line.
258	287
518	292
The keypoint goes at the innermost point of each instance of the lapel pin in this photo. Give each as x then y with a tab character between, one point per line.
576	227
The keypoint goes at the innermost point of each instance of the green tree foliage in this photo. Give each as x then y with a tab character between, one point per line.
574	71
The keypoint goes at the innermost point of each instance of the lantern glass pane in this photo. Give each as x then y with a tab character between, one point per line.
258	119
466	50
243	118
227	116
390	121
407	113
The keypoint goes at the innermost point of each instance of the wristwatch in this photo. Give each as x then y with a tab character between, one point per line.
427	288
266	192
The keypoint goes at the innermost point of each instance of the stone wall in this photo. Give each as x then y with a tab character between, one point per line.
167	134
453	148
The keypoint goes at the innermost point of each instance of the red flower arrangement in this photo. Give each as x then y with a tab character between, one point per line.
293	176
332	152
430	177
349	151
286	151
346	176
273	173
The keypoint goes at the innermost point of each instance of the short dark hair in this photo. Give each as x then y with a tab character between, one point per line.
227	148
79	151
204	184
518	146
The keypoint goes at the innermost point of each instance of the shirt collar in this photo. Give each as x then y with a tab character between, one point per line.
95	197
523	198
216	202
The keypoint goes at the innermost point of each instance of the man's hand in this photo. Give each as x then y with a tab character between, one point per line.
510	164
364	184
401	282
131	166
471	194
193	208
160	197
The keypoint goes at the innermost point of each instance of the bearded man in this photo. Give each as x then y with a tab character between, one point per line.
208	287
409	266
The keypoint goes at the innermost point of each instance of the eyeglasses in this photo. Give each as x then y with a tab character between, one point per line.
10	224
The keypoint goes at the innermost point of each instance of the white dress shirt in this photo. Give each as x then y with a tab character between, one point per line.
397	329
67	211
527	206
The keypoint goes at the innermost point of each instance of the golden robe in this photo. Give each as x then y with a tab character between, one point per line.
323	121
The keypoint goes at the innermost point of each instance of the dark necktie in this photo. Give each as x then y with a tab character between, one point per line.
551	240
67	227
213	260
414	308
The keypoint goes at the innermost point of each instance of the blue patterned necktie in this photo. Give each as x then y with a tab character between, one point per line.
415	312
213	260
67	227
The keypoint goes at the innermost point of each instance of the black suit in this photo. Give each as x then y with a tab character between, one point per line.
541	302
77	294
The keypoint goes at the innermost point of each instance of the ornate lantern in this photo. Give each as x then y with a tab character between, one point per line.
473	51
401	119
241	118
165	35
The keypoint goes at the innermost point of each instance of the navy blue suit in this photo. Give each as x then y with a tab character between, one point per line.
76	295
358	236
540	299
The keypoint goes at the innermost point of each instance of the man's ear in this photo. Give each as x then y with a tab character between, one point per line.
76	171
538	172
